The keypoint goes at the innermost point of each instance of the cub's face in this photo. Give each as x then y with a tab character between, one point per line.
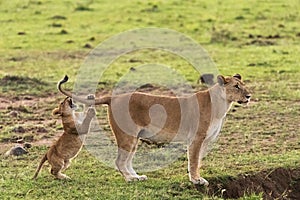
65	108
236	91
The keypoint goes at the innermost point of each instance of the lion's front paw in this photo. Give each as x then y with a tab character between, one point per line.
142	178
199	181
136	178
91	112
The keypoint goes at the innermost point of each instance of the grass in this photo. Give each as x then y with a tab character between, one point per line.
43	40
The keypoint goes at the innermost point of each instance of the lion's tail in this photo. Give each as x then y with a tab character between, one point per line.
40	166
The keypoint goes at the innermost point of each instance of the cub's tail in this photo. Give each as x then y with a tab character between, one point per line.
40	166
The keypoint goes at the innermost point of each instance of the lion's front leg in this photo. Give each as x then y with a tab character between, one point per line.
194	160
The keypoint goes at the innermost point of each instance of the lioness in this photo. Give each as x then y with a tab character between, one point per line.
203	114
76	125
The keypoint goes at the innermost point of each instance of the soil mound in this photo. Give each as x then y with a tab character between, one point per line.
279	183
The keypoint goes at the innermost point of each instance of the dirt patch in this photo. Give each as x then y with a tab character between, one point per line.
261	40
17	80
279	183
27	118
20	84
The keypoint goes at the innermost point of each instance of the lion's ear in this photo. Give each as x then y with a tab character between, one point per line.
238	76
221	80
55	111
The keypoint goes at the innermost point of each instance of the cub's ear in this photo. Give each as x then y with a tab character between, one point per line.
55	111
221	80
238	76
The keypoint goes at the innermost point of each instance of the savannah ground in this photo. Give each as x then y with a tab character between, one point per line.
259	144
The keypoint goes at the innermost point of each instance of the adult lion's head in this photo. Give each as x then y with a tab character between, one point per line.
235	89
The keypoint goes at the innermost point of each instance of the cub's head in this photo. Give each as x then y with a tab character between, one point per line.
235	89
65	108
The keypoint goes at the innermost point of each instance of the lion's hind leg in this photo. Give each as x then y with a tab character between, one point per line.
67	164
130	168
124	161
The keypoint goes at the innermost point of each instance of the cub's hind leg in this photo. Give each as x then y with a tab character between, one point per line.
57	165
67	164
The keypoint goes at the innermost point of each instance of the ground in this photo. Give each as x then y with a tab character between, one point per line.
257	153
36	126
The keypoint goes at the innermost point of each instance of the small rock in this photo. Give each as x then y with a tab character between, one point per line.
59	17
28	138
27	145
133	60
63	32
16	151
42	130
19	129
132	69
251	64
14	113
56	25
28	98
251	36
88	46
20	141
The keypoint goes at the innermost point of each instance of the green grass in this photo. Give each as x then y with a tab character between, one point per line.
41	41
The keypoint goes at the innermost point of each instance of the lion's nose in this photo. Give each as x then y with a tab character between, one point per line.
248	96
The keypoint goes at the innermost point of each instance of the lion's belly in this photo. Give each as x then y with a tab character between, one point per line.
214	129
162	135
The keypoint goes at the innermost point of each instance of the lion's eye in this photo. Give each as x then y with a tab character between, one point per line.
237	87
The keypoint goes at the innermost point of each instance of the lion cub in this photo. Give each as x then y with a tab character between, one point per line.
76	125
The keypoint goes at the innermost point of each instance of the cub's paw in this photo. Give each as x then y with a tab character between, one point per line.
91	112
63	177
199	181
